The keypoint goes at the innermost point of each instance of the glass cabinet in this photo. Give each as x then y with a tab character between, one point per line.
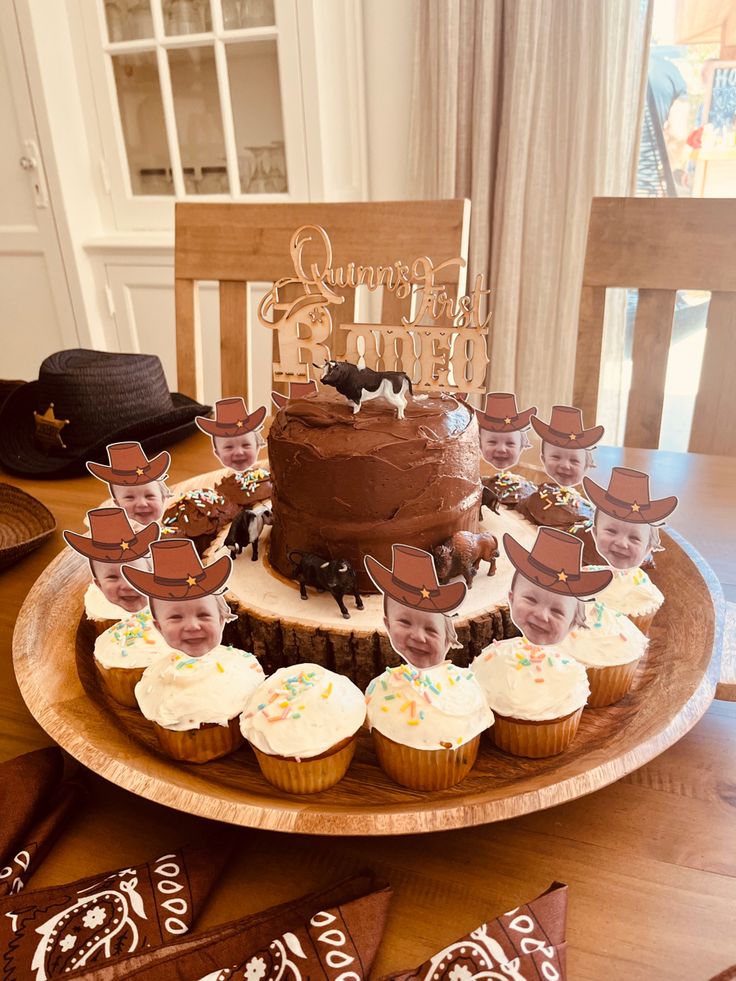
197	99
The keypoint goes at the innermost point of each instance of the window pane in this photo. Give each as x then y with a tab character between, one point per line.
198	119
129	21
259	128
142	119
186	16
257	13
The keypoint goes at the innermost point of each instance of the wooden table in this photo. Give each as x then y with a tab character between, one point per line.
650	860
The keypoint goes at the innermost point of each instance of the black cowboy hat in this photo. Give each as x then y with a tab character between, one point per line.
84	400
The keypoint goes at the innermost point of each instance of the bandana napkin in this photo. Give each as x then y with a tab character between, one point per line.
34	801
64	931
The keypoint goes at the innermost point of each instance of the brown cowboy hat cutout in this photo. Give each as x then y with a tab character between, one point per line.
627	498
297	390
415	606
129	466
178	573
500	414
565	429
111	537
413	581
232	418
554	563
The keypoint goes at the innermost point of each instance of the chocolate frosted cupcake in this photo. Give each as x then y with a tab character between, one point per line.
197	515
565	509
243	490
510	489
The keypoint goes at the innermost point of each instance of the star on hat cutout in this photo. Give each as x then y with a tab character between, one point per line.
139	471
124	546
562	575
635	507
191	581
507	420
425	593
239	424
573	436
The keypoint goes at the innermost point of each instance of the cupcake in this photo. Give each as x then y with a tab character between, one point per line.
510	489
194	703
302	724
124	651
198	515
632	593
565	509
610	647
537	695
100	612
243	490
426	725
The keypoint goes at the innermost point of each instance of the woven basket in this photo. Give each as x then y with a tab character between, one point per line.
25	524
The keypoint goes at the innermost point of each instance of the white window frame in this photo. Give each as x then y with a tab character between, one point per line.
156	212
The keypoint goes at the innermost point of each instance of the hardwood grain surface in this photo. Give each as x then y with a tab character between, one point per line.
649	859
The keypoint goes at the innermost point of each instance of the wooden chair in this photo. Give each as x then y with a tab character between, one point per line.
661	245
237	244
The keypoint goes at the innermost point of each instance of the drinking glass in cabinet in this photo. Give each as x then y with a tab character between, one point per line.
138	22
115	24
214	181
231	15
141	117
257	13
184	17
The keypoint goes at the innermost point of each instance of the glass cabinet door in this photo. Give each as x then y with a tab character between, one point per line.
197	91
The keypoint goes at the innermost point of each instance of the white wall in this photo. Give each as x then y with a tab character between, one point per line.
388	33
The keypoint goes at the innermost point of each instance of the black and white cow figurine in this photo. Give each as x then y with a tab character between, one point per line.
246	528
360	385
335	575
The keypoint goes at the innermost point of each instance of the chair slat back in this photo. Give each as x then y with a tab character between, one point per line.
238	244
660	246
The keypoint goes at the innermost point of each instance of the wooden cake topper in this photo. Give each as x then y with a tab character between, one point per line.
443	346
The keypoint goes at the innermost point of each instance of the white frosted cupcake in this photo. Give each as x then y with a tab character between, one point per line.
426	725
302	723
537	695
100	611
124	651
632	593
610	647
194	702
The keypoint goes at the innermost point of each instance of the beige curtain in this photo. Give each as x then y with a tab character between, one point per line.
529	108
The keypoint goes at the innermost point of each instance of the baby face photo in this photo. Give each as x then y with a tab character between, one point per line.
565	466
144	503
544	618
193	626
237	453
422	639
623	544
502	450
116	589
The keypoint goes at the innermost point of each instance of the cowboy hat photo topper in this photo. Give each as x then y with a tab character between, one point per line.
626	520
186	598
136	483
235	433
549	587
415	606
567	446
112	541
503	430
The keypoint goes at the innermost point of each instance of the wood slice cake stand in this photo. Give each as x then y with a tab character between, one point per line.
674	685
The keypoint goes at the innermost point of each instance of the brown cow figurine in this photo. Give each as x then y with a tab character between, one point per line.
462	553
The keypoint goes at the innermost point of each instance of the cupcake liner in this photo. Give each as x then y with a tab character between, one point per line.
609	684
425	769
307	776
100	626
209	742
524	737
119	683
643	621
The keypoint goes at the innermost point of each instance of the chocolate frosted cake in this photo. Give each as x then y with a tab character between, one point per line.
345	485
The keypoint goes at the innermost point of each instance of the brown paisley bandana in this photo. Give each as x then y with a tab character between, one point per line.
34	801
326	936
526	944
64	931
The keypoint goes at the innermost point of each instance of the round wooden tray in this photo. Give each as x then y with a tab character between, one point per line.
674	686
